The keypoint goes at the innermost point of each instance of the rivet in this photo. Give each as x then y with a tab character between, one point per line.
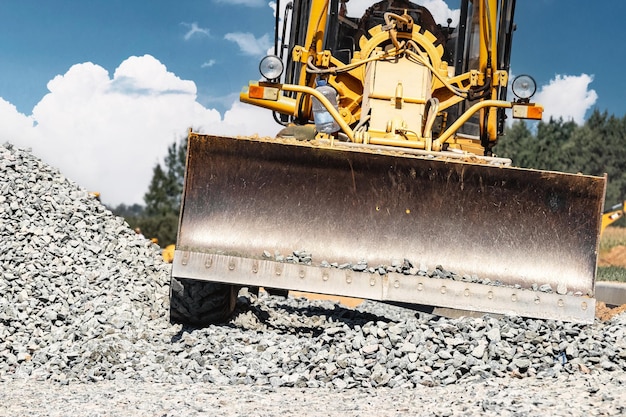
490	295
208	262
372	281
349	278
443	289
420	286
466	292
279	269
301	273
231	265
396	284
561	303
325	276
255	266
537	300
514	297
583	305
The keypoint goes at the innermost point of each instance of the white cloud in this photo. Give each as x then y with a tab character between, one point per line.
209	63
194	29
248	44
107	134
567	96
14	124
441	12
438	8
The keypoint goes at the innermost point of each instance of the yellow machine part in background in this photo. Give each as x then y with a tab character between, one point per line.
168	253
612	215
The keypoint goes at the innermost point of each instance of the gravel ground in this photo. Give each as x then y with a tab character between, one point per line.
599	395
84	330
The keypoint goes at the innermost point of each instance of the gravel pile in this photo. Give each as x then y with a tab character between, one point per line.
84	299
79	290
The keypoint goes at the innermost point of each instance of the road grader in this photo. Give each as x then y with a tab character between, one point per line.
382	181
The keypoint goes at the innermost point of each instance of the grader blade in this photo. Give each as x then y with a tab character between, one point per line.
519	229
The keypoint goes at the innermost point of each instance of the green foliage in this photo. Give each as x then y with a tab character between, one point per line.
125	211
611	273
163	198
164	193
162	227
595	148
611	237
159	217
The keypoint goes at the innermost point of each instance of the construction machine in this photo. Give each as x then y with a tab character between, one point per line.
383	183
612	215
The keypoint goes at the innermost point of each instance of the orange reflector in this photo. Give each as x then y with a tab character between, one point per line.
535	112
261	92
527	111
255	91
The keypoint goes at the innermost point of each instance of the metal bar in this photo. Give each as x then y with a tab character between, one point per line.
611	293
467	115
390	287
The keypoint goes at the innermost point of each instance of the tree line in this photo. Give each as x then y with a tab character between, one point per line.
158	218
595	148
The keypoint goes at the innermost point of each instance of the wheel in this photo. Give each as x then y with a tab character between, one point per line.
201	303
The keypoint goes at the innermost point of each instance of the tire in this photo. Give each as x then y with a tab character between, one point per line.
201	303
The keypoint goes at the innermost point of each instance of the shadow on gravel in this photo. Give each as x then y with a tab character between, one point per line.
282	316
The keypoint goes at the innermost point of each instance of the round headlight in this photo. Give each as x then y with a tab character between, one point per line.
524	87
271	67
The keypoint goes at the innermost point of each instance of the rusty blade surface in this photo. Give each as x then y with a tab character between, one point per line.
243	197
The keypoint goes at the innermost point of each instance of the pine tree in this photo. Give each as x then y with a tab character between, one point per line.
595	148
163	197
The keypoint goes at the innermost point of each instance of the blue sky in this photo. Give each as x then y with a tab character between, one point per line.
574	37
100	88
44	38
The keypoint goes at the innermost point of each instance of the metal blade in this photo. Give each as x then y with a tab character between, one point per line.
518	226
